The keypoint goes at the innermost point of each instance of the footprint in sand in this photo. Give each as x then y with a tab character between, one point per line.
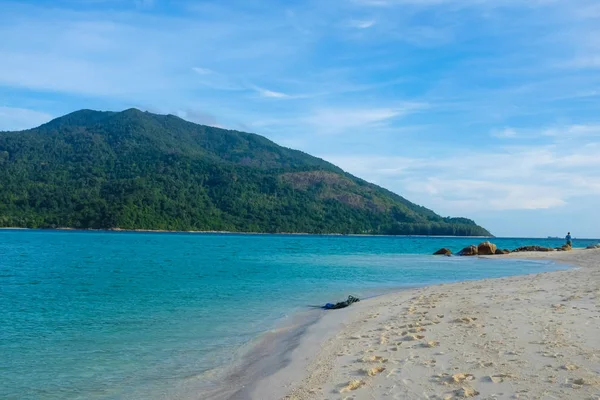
352	385
465	320
552	355
374	359
373	371
410	338
460	377
579	383
570	367
498	378
466	392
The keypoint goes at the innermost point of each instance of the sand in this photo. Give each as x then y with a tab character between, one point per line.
527	337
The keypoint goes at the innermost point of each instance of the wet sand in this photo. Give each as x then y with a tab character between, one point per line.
526	337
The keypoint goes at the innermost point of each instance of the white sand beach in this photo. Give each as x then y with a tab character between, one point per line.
526	337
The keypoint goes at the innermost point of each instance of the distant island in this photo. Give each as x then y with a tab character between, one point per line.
138	170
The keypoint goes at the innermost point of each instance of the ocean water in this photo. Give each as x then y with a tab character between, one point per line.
116	315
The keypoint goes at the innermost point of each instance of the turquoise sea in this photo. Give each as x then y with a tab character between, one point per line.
116	315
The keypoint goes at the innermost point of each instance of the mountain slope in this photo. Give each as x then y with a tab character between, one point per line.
137	170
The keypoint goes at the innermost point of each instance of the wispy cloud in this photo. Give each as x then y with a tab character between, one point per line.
510	178
219	81
360	24
557	133
573	131
342	120
270	93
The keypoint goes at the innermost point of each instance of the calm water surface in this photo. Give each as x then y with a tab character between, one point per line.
97	315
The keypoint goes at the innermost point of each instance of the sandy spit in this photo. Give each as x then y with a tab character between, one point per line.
526	337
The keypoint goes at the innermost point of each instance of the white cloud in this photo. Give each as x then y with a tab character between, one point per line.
361	24
343	120
531	177
219	81
15	119
572	131
481	195
557	133
270	93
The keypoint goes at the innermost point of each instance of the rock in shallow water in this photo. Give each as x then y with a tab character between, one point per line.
443	252
469	251
486	249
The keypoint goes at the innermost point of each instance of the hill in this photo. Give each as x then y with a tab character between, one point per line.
137	170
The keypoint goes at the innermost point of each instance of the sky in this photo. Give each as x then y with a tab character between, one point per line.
488	109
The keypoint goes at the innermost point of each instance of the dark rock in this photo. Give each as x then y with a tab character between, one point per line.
593	246
486	249
500	251
532	248
468	251
443	252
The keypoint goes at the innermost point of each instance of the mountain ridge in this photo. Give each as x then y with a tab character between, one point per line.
138	170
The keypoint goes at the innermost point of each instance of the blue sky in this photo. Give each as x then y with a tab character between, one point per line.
476	108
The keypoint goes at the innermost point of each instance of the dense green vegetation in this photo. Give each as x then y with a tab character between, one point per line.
136	170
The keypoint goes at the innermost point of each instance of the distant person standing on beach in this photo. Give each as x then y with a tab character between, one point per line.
568	238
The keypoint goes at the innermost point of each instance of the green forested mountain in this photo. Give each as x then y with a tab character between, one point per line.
137	170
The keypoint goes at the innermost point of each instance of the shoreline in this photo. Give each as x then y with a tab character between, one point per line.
269	359
259	358
119	230
329	358
116	230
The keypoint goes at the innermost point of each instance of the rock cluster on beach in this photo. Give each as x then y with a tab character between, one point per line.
532	248
487	249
